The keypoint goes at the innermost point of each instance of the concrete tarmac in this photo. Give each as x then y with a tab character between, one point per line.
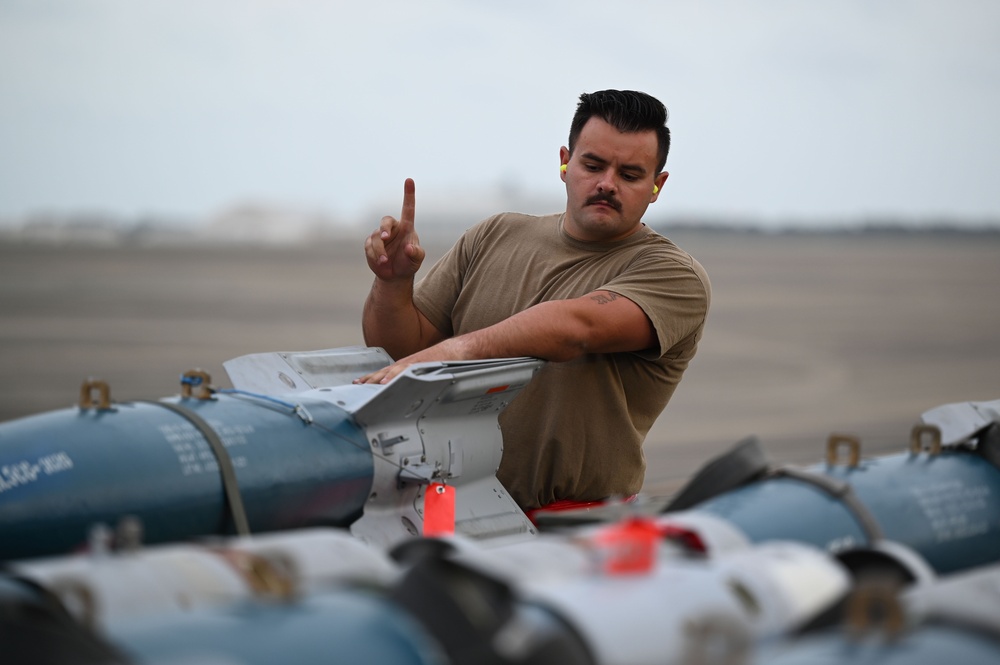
809	334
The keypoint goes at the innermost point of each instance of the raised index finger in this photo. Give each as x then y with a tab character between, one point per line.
409	205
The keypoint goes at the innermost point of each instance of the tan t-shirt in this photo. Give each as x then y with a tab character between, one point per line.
576	431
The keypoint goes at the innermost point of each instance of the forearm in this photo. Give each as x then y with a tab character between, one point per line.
557	330
391	320
535	332
601	322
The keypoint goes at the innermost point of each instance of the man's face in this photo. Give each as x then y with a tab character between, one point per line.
609	181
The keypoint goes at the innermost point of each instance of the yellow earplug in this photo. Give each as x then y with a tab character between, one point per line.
563	168
656	189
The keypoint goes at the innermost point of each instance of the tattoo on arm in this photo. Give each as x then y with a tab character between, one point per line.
605	298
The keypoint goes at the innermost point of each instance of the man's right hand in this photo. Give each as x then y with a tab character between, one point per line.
393	250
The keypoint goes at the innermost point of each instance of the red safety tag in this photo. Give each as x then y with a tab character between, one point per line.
628	547
439	510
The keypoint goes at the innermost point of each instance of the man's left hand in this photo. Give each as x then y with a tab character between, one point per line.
446	350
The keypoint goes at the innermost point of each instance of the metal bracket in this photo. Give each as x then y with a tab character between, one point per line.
387	442
103	395
196	377
917	439
833	445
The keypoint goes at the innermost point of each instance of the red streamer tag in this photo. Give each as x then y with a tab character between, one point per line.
628	547
439	510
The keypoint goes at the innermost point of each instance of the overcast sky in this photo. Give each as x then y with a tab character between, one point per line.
780	109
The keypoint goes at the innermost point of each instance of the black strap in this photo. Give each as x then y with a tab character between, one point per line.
229	483
744	463
841	490
741	464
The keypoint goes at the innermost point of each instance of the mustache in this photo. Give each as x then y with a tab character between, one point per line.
606	198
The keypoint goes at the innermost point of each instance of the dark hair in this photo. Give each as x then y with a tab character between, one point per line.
627	111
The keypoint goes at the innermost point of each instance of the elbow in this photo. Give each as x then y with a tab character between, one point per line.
574	343
588	337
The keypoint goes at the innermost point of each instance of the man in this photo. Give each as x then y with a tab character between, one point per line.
617	308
